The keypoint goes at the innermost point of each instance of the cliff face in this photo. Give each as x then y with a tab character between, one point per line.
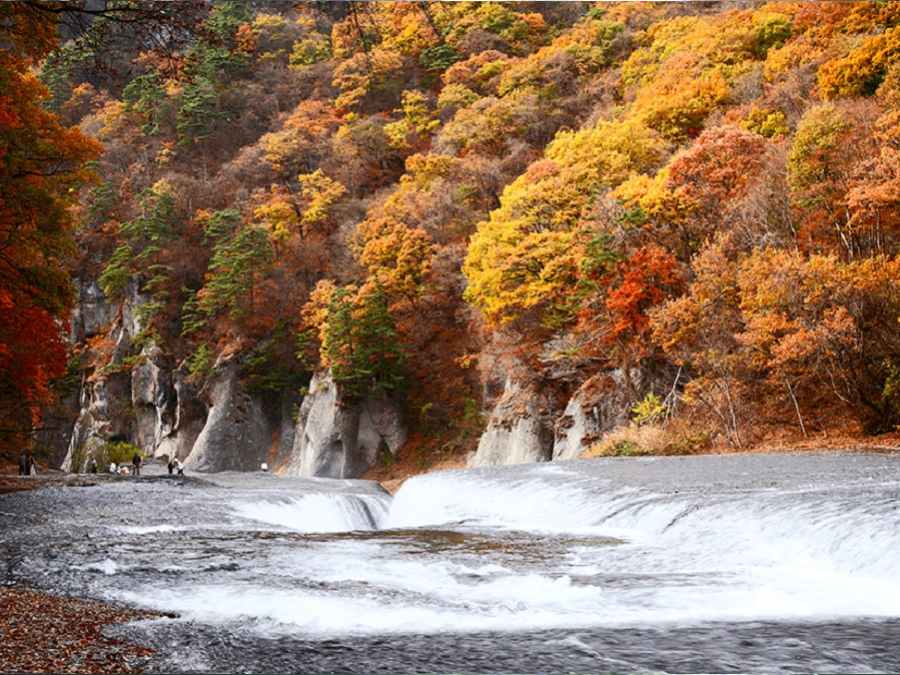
342	439
133	392
142	397
242	429
527	425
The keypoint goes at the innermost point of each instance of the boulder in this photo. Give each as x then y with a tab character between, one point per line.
341	439
518	430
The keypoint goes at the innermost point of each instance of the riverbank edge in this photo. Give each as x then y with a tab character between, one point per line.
45	632
391	478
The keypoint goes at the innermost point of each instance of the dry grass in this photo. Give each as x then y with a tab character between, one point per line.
674	438
683	437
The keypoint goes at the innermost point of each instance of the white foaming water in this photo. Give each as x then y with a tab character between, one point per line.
319	512
150	529
106	566
838	526
532	549
574	506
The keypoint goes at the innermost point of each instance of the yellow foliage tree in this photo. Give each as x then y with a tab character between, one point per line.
396	256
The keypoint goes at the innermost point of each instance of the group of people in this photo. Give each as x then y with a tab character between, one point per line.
26	464
137	462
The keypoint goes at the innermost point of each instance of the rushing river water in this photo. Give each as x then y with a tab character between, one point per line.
733	563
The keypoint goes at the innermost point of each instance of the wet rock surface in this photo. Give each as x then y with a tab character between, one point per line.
866	646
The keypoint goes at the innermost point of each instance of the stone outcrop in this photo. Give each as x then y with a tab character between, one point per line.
341	439
236	435
525	425
600	405
519	429
91	313
138	398
168	416
57	422
131	391
104	416
153	400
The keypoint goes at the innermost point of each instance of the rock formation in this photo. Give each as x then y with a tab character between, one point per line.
600	405
519	429
335	438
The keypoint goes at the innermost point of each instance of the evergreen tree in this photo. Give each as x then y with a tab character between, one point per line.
241	253
145	95
361	343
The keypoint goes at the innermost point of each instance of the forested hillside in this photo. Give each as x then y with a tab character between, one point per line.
678	218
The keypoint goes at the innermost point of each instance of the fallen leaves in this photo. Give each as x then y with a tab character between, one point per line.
47	633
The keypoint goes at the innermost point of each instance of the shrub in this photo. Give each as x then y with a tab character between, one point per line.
648	410
651	439
119	452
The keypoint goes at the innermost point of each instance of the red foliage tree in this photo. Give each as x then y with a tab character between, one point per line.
41	168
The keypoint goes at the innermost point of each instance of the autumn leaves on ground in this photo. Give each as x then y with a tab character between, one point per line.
703	196
44	633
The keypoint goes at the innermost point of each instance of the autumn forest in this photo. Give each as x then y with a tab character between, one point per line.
692	209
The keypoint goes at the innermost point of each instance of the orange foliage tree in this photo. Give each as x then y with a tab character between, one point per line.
42	166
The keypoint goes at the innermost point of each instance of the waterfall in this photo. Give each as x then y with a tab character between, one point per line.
319	512
845	537
597	545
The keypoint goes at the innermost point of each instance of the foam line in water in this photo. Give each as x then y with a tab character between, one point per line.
511	603
573	504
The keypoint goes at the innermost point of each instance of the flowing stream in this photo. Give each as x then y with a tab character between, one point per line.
717	563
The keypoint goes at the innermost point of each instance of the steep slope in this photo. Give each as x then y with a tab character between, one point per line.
525	225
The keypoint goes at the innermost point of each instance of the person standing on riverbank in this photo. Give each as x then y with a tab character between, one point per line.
136	463
23	464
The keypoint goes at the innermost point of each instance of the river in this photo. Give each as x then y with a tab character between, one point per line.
750	563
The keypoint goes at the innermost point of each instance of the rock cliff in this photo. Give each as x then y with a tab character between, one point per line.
133	392
524	425
336	438
519	429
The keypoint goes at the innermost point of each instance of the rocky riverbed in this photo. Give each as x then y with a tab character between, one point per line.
741	563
